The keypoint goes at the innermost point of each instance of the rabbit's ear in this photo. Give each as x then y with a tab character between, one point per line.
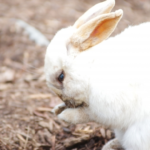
98	9
95	30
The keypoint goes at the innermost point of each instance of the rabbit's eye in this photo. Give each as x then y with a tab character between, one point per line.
61	77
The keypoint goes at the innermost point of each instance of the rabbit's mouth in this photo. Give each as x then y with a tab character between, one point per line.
74	104
69	104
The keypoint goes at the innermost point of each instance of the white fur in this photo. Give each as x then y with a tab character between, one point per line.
112	78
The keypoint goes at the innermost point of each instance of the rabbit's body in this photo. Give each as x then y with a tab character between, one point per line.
112	78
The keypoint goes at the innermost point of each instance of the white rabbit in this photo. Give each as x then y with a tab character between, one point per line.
108	79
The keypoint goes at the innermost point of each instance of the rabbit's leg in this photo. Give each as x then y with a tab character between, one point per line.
113	145
75	115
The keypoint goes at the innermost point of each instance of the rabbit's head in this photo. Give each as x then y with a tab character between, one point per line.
66	68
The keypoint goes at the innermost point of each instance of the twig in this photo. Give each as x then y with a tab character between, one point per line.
44	109
34	34
21	138
53	142
27	138
40	96
73	140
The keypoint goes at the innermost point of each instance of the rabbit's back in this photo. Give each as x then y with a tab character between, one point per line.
125	58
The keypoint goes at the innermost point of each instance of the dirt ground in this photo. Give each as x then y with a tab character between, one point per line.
26	120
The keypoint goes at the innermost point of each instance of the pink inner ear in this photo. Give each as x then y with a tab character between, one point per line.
100	33
101	28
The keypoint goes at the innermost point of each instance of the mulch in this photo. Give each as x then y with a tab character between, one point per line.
26	120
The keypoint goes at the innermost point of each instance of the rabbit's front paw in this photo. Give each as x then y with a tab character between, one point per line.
74	115
113	145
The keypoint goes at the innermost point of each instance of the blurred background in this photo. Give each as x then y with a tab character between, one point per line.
26	27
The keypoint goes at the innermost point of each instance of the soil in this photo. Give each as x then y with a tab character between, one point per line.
26	120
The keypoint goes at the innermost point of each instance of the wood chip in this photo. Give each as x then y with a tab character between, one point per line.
72	141
4	87
45	125
53	142
85	131
40	96
24	135
44	109
20	137
7	75
108	134
102	130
